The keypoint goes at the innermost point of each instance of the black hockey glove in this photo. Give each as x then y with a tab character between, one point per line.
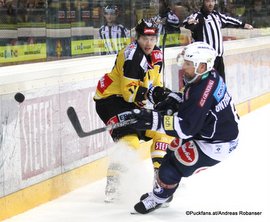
171	104
145	119
157	94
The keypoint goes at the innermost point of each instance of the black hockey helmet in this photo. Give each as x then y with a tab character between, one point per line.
146	27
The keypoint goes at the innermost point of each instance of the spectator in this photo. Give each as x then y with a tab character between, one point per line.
10	5
258	14
167	19
2	3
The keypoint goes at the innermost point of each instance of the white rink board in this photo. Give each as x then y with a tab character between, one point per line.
38	141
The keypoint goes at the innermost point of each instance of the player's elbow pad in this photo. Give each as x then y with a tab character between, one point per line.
140	95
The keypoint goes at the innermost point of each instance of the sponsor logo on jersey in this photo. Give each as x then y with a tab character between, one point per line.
220	90
130	50
149	31
104	83
161	146
223	103
168	122
187	154
112	120
156	56
233	145
217	149
206	92
123	116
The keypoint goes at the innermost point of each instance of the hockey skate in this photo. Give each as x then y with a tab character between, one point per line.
112	191
149	202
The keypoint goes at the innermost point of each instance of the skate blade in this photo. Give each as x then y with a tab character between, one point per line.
109	199
112	198
165	205
134	212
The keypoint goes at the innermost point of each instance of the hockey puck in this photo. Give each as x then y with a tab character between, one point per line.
19	97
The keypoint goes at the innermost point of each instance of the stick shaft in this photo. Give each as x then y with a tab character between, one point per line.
163	57
73	117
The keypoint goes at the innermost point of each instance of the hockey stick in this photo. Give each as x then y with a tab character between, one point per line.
163	54
73	117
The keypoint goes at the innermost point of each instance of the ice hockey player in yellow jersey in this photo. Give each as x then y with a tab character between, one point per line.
134	80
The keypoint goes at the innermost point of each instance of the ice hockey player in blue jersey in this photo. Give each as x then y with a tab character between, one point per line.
204	124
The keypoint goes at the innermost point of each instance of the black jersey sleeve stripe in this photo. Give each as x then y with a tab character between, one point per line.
216	44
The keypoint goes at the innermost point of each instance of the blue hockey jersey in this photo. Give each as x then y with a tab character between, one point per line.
206	114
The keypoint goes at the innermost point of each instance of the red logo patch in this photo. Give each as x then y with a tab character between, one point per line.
187	154
149	31
104	83
156	56
175	144
112	120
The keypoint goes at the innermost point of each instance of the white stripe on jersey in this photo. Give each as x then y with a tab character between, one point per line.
214	22
229	20
178	129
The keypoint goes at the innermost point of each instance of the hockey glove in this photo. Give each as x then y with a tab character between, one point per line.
171	104
157	94
145	119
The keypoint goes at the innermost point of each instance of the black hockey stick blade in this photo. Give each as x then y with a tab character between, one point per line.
73	117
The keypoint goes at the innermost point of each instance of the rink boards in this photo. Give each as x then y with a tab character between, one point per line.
42	158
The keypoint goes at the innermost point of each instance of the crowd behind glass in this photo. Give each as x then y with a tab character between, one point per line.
44	30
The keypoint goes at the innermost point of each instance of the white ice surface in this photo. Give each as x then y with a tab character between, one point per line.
240	183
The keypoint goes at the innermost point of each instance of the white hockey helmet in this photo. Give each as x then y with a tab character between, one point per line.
198	52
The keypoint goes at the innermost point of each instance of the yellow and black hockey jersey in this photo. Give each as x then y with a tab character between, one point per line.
132	75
